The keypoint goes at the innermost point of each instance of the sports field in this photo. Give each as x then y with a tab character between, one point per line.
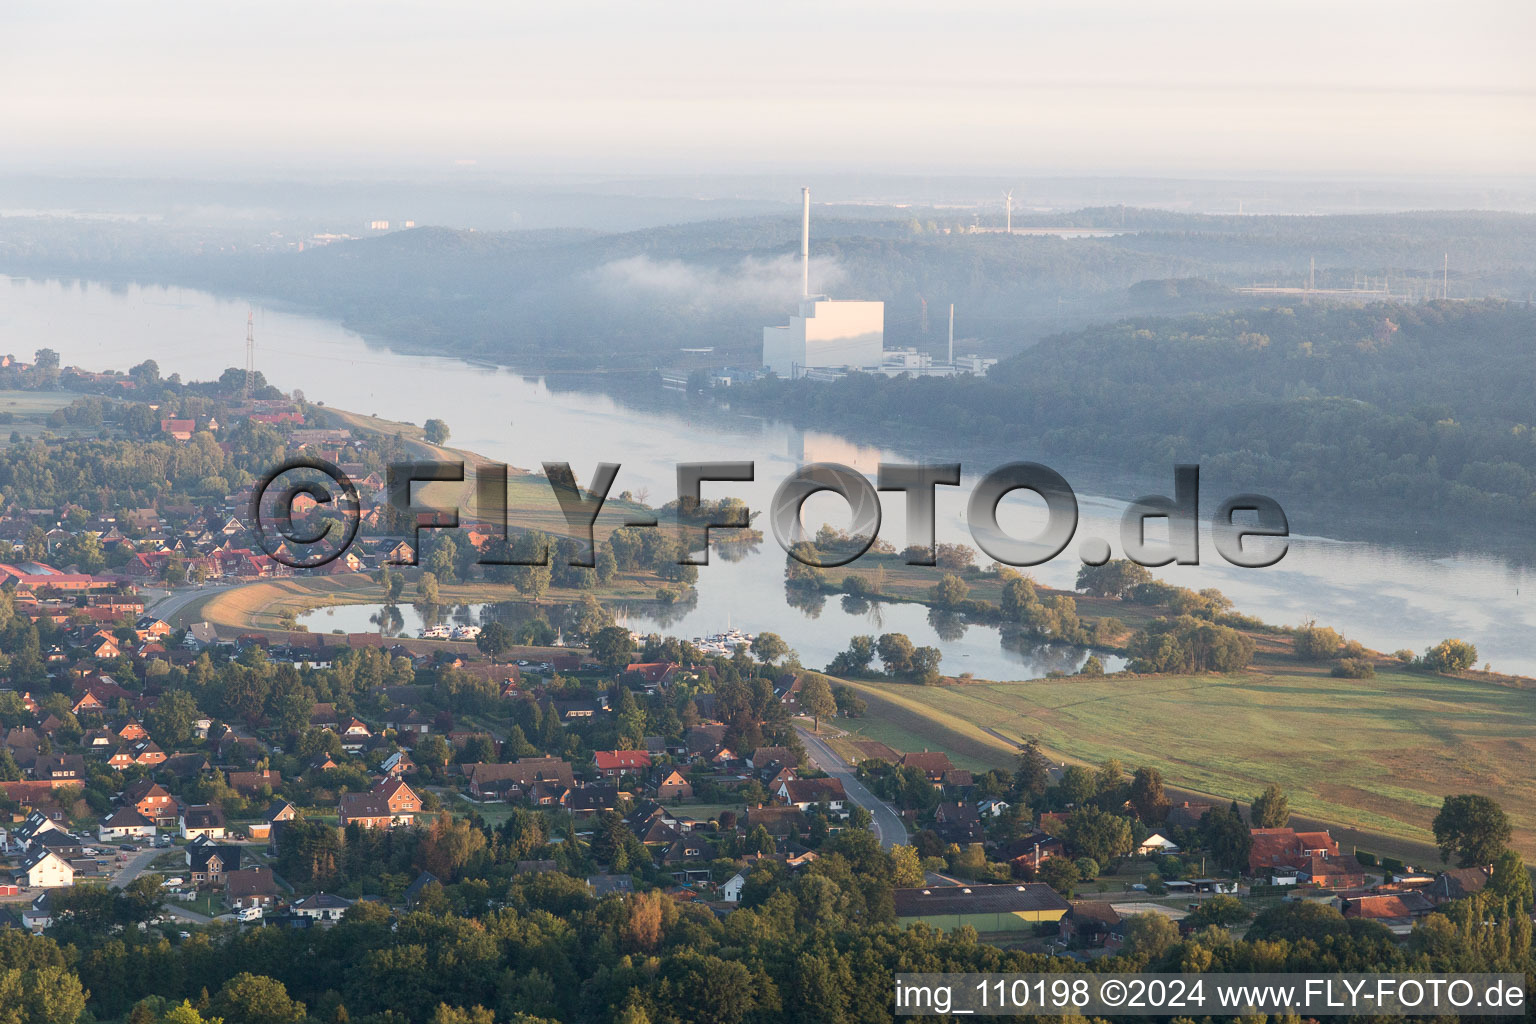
1378	754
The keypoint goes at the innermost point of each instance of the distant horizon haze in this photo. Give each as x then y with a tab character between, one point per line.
465	89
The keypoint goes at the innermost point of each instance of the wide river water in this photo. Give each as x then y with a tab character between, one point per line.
1386	596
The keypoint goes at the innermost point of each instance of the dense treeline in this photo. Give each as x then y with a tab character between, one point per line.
821	944
1399	410
111	454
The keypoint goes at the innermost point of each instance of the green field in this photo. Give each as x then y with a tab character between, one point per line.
1377	754
29	411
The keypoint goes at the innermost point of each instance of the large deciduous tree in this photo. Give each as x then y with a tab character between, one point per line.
1472	828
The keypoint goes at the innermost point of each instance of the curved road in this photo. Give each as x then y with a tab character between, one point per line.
887	824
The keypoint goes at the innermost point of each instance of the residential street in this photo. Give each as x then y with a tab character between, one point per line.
887	824
136	866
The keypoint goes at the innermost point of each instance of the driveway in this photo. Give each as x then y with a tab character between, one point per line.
887	824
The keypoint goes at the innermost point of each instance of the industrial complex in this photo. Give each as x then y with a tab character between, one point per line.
828	337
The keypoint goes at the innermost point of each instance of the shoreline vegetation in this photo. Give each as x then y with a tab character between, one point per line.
1368	742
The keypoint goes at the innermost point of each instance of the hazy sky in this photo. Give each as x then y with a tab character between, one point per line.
1116	86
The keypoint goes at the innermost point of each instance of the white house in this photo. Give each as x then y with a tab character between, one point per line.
992	807
731	890
206	820
1157	843
44	869
322	906
38	915
37	823
125	823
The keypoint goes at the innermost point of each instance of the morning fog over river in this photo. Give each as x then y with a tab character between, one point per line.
1385	596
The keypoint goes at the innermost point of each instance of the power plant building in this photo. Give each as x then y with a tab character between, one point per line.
826	333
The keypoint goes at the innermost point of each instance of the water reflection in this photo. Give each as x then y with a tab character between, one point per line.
810	603
664	614
949	626
1387	596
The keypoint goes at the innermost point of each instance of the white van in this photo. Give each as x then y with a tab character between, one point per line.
249	914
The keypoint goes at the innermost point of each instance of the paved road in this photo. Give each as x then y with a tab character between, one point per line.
887	824
140	863
169	604
136	866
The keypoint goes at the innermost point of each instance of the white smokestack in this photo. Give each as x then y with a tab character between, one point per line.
951	334
805	242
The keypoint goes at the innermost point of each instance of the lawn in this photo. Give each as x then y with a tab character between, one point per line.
207	903
1377	754
707	811
902	732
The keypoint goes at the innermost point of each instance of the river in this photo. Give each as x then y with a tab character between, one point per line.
1386	596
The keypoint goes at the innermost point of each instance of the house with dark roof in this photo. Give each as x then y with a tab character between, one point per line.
932	764
202	820
804	793
1456	884
249	784
1093	924
250	887
1187	814
604	885
586	801
386	805
210	862
125	823
397	764
767	759
778	820
1397	911
185	766
957	821
65	844
652	674
34	825
687	859
321	906
413	892
59	768
518	780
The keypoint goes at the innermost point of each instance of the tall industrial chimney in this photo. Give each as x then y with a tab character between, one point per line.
951	334
805	242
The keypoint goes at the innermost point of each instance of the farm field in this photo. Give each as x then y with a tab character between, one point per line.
26	413
1376	754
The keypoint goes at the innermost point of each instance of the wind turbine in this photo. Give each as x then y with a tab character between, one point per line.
1008	196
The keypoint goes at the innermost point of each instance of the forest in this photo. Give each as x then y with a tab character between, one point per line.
1380	411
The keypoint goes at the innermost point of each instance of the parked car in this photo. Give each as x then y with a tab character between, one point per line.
128	848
